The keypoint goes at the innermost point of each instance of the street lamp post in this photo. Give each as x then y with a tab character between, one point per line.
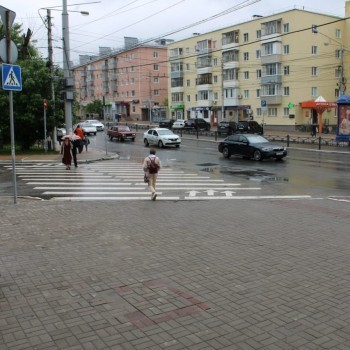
68	81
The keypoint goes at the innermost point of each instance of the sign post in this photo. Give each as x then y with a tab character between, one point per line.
7	17
263	109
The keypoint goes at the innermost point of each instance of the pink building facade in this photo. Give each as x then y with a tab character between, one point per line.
132	83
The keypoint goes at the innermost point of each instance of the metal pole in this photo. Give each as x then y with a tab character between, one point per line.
104	121
12	128
66	67
222	90
45	134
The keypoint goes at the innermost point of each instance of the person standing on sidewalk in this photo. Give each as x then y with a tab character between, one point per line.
151	166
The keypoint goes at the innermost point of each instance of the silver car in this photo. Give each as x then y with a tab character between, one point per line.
161	137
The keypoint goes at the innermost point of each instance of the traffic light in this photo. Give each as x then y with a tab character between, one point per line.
45	103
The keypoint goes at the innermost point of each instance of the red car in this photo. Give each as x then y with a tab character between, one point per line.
121	133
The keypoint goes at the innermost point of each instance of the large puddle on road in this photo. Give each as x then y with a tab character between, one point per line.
257	175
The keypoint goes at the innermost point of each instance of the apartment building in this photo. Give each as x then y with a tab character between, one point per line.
267	69
131	81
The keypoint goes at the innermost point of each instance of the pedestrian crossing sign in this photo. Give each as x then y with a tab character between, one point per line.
11	77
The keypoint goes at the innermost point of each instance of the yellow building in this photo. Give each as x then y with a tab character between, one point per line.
269	69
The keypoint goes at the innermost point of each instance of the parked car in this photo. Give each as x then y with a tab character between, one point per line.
197	123
227	128
251	146
166	123
98	124
121	133
178	124
161	137
88	128
250	127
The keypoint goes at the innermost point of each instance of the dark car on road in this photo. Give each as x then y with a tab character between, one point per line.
166	123
249	127
251	146
227	128
197	123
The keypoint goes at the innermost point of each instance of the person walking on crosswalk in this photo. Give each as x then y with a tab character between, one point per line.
151	166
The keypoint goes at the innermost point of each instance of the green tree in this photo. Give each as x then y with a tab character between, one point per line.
95	107
28	104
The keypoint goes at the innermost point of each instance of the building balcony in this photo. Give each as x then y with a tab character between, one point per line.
272	99
231	64
271	79
234	101
204	70
274	58
176	74
201	87
231	84
175	89
230	45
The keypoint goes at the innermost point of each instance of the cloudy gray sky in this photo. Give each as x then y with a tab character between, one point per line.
112	20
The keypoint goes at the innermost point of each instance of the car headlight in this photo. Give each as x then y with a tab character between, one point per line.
267	149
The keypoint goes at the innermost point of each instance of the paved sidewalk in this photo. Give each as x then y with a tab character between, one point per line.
266	275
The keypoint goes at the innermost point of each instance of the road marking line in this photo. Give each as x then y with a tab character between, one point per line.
148	198
247	197
97	192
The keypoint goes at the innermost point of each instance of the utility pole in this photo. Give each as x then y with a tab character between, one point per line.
49	39
342	80
150	98
222	90
68	80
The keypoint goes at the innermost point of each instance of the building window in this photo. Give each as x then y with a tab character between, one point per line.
132	80
246	75
134	108
155	54
314	91
177	97
286	49
246	93
286	91
258	34
259	112
188	82
245	37
132	69
314	50
286	70
338	53
257	54
216	96
132	56
338	33
215	78
155	67
286	27
203	95
272	112
246	56
132	92
314	71
215	62
156	92
188	98
268	49
187	50
338	72
258	93
286	111
258	73
156	80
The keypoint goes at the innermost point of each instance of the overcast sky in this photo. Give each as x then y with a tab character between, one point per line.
112	20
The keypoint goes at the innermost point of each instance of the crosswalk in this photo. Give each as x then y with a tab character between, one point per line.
120	180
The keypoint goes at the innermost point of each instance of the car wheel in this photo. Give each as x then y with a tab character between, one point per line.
177	146
133	139
110	137
219	133
146	143
226	153
278	159
160	144
94	133
257	155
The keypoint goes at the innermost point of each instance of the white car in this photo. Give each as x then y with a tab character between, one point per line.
178	124
161	137
88	128
98	124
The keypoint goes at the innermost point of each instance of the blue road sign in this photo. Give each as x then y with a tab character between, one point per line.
263	103
11	77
